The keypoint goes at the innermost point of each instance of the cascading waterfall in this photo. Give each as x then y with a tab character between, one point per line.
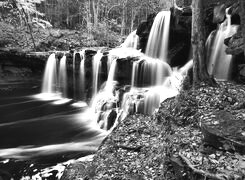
63	77
96	70
152	79
157	45
148	76
50	76
149	72
219	63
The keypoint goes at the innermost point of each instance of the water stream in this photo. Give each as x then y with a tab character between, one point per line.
220	63
49	125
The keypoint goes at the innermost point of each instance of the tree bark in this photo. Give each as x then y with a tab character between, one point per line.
123	17
95	13
200	73
242	15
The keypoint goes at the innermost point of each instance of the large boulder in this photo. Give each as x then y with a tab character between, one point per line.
225	131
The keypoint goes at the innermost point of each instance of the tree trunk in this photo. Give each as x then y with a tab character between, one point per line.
26	21
123	18
200	73
242	15
133	16
67	14
95	14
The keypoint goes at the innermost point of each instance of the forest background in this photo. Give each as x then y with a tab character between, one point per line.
44	25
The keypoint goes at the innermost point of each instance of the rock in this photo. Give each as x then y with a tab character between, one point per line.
179	36
111	119
219	13
235	44
178	167
143	31
140	106
224	131
78	167
108	106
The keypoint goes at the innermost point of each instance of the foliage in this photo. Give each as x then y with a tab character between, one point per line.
104	22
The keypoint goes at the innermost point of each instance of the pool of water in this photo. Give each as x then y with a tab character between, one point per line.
36	134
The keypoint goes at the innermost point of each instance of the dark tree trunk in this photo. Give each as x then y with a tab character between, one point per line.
242	15
200	73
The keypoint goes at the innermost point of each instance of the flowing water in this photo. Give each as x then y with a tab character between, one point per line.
131	41
96	71
36	134
50	76
63	77
157	46
47	128
220	63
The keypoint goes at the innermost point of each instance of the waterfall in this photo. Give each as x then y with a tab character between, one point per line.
63	77
75	85
96	71
50	76
219	63
82	74
157	45
149	72
131	41
111	76
152	79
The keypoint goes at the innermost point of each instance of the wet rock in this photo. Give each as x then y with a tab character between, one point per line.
131	108
242	73
140	106
108	106
235	44
111	119
179	37
143	31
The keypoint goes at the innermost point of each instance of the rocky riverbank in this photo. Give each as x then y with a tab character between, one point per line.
199	134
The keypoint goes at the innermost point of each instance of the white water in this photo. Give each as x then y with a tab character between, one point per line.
219	63
96	71
82	74
131	41
150	71
157	45
50	76
63	77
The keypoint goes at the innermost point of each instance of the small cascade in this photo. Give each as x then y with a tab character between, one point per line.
96	71
157	45
50	76
111	76
82	74
131	41
74	78
63	77
219	63
149	72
